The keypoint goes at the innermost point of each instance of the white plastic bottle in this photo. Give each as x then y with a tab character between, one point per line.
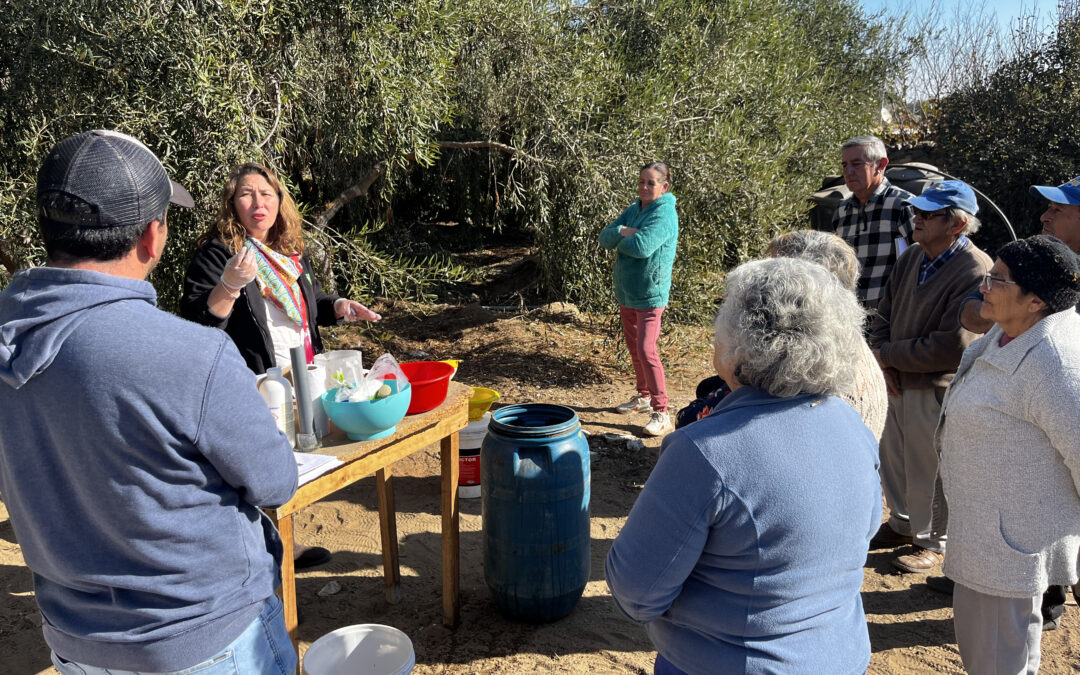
317	385
277	392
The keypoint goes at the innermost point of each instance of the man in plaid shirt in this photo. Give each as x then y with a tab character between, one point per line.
875	220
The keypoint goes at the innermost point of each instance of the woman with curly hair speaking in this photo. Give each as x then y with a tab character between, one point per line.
250	277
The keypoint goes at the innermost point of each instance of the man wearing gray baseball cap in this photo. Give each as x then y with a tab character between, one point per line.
136	449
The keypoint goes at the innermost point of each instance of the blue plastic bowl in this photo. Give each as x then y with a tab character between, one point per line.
368	420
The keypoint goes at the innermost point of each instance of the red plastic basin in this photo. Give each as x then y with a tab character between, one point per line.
429	380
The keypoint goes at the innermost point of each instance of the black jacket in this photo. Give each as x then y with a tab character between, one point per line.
246	325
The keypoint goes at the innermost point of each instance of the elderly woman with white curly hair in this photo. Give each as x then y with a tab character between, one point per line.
744	551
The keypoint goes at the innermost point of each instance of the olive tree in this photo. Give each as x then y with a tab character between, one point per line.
1019	124
371	108
318	91
746	100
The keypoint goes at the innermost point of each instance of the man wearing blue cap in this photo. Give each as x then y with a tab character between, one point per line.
1061	219
133	481
918	341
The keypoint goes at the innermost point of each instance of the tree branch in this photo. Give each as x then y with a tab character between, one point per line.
358	190
475	145
277	117
9	262
361	188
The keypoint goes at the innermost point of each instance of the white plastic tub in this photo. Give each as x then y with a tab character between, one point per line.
363	649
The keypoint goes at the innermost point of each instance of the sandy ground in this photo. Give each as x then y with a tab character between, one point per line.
528	358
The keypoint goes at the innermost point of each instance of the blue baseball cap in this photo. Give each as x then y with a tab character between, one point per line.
946	194
1067	193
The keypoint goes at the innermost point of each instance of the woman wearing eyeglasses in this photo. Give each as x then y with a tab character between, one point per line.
1009	438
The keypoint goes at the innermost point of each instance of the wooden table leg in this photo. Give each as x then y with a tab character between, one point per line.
384	485
448	452
288	579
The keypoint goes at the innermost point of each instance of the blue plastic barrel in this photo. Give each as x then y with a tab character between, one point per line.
534	473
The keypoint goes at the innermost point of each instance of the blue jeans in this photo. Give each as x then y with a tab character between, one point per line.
263	648
664	667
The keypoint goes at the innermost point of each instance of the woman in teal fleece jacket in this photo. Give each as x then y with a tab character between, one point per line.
644	237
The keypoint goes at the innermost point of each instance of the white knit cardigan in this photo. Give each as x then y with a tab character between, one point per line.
1009	438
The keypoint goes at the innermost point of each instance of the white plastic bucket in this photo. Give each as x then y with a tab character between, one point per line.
470	439
363	649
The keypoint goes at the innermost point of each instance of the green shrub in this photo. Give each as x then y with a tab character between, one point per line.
1020	124
746	100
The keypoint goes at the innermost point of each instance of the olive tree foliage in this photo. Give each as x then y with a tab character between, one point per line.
370	106
746	100
1019	123
319	91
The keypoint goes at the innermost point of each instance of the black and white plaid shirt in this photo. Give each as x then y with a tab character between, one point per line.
872	229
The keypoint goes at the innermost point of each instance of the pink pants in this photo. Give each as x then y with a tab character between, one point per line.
641	328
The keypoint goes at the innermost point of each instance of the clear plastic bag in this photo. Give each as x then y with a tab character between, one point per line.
371	381
343	366
386	365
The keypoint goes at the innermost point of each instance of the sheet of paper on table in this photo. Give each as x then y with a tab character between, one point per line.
311	466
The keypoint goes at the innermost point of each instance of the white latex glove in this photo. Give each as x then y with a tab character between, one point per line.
351	311
239	271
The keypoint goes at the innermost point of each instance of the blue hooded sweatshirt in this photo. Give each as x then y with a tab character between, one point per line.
133	452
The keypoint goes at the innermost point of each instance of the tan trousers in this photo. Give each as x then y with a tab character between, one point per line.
909	463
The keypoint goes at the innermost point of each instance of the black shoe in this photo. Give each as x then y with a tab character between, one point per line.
940	584
1053	605
311	557
886	537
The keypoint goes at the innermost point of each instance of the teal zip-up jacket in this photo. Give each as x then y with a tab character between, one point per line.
643	262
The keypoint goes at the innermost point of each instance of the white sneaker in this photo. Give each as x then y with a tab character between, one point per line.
635	404
659	424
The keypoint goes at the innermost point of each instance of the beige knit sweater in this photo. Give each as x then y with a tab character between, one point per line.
868	394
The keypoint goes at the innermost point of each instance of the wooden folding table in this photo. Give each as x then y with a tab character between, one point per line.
363	458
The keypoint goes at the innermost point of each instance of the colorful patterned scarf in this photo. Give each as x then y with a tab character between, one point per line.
277	276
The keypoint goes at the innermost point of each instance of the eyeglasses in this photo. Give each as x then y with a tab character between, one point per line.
927	215
989	280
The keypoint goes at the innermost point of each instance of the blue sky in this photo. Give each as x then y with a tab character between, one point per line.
1006	10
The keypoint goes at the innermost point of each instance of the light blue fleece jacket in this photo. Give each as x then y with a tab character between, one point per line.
744	552
134	449
643	262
